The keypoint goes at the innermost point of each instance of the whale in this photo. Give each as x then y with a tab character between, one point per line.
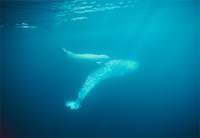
112	68
86	57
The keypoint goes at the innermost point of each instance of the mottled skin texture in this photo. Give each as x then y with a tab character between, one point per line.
110	69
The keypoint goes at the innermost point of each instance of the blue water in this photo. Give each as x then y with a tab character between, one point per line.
160	99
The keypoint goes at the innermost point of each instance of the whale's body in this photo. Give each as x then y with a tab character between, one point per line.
110	69
86	57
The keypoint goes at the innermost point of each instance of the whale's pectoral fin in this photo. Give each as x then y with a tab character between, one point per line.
74	105
98	62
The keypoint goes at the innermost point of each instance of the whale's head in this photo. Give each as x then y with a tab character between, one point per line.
104	58
130	66
121	67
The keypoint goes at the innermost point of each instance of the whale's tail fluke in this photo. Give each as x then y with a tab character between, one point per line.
74	105
69	53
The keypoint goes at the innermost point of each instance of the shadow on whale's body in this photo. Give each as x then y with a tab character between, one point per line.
109	69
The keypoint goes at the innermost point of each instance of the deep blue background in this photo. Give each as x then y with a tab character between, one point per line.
160	99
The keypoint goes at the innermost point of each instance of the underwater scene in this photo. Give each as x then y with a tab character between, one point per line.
100	68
